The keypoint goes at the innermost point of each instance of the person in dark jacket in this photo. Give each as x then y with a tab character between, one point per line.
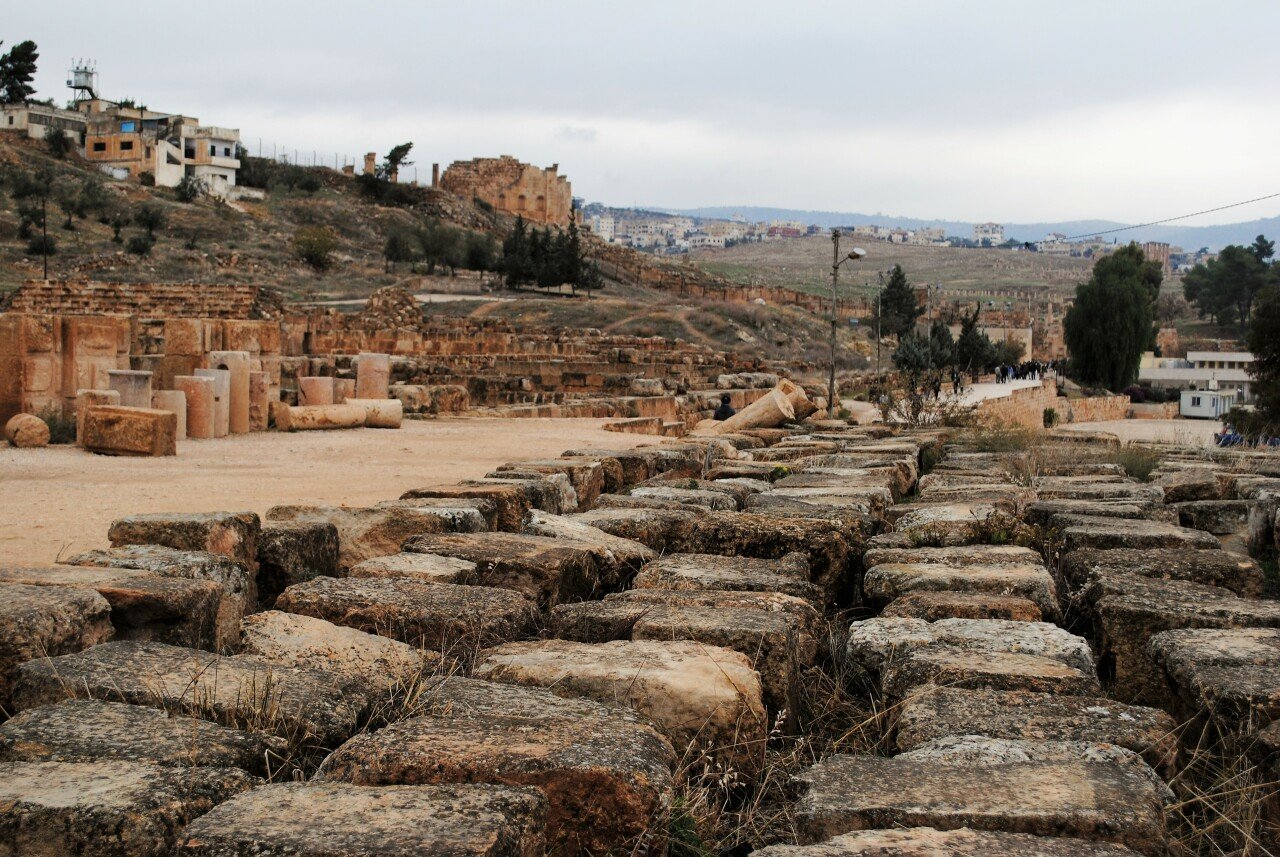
725	410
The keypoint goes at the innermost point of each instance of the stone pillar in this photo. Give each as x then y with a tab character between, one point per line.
174	401
86	399
237	363
373	375
315	390
201	407
221	399
370	163
134	387
259	400
435	175
343	389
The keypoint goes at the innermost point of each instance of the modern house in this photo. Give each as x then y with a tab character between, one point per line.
1220	371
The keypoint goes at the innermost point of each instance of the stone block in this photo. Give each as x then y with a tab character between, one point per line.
422	567
315	390
548	492
949	711
373	375
1088	800
1108	533
605	772
1192	484
548	570
184	336
202	405
932	606
451	619
510	502
109	430
1232	673
701	697
230	534
86	730
221	399
40	621
930	842
86	399
368	532
26	431
259	401
111	808
875	642
300	704
290	553
1240	574
175	402
1066	488
237	366
144	606
624	556
134	387
1220	517
342	820
1032	581
378	666
380	413
587	476
788	575
235	581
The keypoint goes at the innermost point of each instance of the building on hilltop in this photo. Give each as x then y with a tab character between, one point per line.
1158	251
988	234
1227	371
537	195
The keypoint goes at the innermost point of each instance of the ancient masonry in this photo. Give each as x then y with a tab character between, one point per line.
537	195
528	662
60	338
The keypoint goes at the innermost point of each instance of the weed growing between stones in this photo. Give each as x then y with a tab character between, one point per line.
1138	461
1003	438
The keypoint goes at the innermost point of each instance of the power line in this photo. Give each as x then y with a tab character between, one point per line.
1171	219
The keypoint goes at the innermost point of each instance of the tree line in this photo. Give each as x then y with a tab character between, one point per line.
547	257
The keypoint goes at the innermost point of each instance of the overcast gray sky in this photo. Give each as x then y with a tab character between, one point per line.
1009	111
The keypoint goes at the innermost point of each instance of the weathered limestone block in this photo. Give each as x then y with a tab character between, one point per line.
955	667
1220	517
549	492
86	399
259	401
290	553
318	819
344	389
789	575
236	582
144	606
661	530
315	390
548	570
645	462
1063	488
956	556
423	567
852	514
882	583
875	642
1182	486
230	534
698	695
221	379
109	430
510	502
112	808
380	413
948	711
932	606
443	617
606	773
1052	513
624	555
39	621
368	532
134	387
1240	574
376	664
318	417
175	402
291	702
588	477
1089	800
238	366
1109	533
1130	610
1233	673
943	524
777	646
202	405
26	431
85	730
373	375
930	842
714	500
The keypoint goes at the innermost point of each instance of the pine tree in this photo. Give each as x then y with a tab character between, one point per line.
17	68
1112	320
974	351
517	254
899	308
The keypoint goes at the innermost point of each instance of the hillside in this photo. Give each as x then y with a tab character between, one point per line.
805	264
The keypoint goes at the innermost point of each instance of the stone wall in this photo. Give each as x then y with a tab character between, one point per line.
157	300
1026	407
538	195
1099	408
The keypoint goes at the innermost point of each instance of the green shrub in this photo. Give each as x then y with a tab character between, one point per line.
42	245
190	189
1050	417
1004	438
140	245
315	245
1137	461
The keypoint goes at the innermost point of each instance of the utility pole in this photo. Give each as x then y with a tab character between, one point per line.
44	227
835	276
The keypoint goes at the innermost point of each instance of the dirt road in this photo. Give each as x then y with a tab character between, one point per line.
60	500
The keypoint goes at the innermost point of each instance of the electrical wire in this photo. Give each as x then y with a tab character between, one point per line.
1172	219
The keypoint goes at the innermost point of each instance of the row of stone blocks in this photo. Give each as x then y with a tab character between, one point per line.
705	649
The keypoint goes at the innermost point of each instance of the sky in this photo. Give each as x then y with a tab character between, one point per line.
1129	110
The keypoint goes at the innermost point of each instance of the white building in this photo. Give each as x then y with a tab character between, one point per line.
988	233
603	225
1223	371
1205	404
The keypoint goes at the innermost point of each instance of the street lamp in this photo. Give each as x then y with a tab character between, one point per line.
836	261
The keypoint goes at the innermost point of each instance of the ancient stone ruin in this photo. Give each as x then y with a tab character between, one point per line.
512	187
849	641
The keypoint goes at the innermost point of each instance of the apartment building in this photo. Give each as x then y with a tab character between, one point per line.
988	233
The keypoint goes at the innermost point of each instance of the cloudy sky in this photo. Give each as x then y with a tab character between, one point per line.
1130	110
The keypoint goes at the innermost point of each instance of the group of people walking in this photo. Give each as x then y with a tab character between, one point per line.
1028	370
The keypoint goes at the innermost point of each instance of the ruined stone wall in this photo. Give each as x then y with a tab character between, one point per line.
538	195
1026	406
44	359
1099	408
155	300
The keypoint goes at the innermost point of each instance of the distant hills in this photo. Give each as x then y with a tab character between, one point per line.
1187	237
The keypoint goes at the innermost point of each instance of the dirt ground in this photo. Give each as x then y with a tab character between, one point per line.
1196	433
58	501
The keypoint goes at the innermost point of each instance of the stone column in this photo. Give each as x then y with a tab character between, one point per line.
201	406
259	400
134	387
343	389
315	390
86	399
373	375
221	399
237	363
174	401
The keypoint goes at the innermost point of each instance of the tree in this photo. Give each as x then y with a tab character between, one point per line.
58	143
398	157
1264	343
190	188
942	346
479	252
1225	288
17	68
315	245
1112	320
150	217
400	247
974	351
517	254
899	308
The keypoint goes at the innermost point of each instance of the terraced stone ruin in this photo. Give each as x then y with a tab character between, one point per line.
808	641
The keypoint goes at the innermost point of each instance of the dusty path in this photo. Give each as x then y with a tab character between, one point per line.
60	500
